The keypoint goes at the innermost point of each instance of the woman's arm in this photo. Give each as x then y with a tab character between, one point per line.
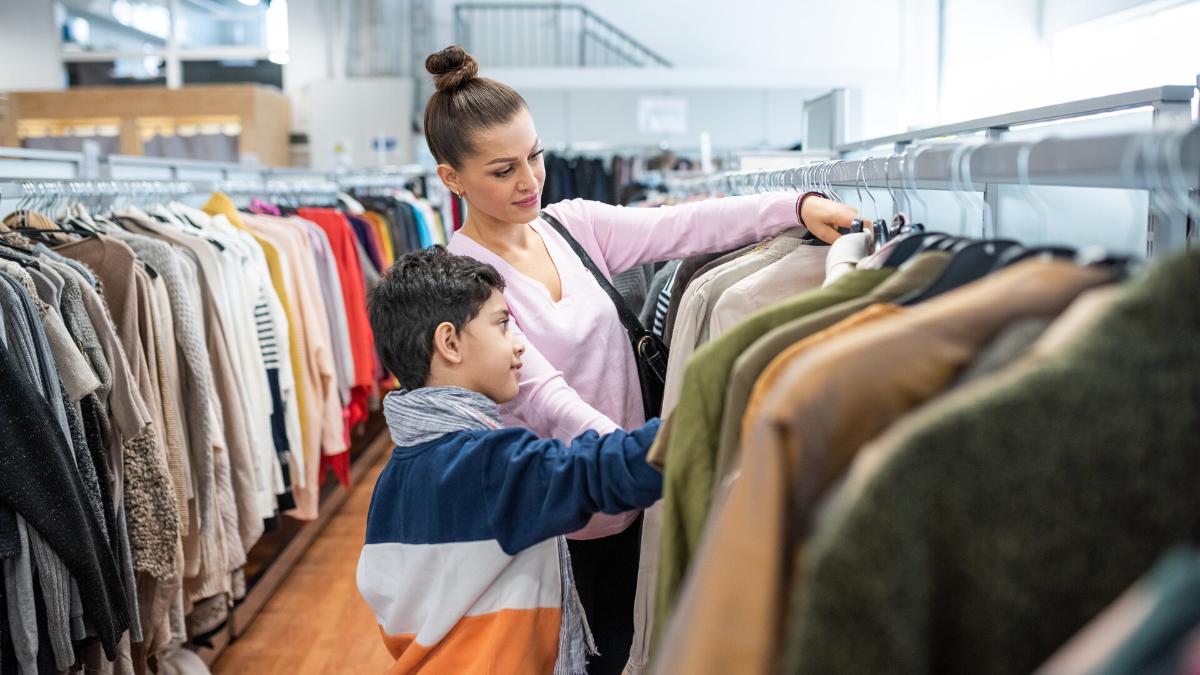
627	237
547	404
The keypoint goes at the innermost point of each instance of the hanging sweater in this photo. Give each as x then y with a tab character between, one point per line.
580	372
463	563
38	482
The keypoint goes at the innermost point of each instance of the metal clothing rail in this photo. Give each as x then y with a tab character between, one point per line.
1166	163
1171	104
382	177
84	189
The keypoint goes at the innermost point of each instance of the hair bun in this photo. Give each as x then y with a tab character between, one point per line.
451	68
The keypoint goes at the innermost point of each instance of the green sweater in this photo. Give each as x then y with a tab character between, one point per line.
1017	510
696	425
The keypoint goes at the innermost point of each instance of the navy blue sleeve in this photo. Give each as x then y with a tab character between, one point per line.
535	489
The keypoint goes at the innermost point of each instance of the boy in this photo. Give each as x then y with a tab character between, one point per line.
464	564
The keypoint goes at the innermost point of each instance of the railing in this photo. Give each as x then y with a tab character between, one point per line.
547	35
1171	105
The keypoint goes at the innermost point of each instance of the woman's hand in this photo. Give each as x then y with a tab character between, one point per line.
823	217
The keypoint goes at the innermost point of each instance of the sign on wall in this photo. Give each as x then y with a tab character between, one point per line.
662	115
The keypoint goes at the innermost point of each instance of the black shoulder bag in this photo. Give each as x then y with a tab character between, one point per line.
649	351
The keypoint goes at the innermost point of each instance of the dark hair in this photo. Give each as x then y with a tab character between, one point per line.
419	292
463	105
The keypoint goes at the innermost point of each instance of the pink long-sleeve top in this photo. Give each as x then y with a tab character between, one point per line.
579	371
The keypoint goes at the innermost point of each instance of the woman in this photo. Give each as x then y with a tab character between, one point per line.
579	371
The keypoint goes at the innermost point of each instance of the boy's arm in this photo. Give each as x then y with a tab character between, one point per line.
535	488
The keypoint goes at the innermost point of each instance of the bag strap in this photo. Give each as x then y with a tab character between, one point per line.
633	326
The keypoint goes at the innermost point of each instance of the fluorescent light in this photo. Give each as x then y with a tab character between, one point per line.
278	57
277	28
249	3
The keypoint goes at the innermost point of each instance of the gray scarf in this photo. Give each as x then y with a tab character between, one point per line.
425	414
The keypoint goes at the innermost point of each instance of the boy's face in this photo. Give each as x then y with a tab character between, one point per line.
491	352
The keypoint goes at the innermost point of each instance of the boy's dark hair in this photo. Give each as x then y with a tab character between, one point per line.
418	293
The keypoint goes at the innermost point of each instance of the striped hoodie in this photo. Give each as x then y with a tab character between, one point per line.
463	563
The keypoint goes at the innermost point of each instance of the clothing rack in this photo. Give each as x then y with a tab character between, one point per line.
384	178
277	552
1166	163
99	188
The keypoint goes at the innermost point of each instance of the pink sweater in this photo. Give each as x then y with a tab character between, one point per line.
579	372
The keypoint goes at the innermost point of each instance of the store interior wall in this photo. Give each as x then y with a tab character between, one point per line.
344	134
756	118
29	46
786	46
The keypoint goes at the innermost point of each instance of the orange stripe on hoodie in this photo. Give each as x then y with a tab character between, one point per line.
508	642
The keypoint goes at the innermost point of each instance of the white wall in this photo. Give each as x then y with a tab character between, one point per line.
1003	57
733	118
865	45
995	58
739	108
29	46
766	34
349	114
311	44
1063	14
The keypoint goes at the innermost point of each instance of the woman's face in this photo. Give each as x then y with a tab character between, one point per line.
503	179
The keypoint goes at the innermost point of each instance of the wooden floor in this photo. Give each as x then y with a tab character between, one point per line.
317	622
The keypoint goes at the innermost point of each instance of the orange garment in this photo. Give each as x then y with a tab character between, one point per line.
770	375
385	236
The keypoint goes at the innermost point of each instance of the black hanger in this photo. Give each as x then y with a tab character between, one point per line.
856	226
971	261
908	247
881	233
1122	266
1016	254
53	230
79	225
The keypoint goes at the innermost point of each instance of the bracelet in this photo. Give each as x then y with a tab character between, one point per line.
800	205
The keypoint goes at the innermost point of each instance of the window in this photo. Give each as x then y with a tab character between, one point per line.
173	41
1104	57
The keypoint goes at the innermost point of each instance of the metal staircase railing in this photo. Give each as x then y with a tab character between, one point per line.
547	35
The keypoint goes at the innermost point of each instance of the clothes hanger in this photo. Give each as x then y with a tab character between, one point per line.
893	225
51	199
914	244
901	222
960	162
1041	215
971	260
879	227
